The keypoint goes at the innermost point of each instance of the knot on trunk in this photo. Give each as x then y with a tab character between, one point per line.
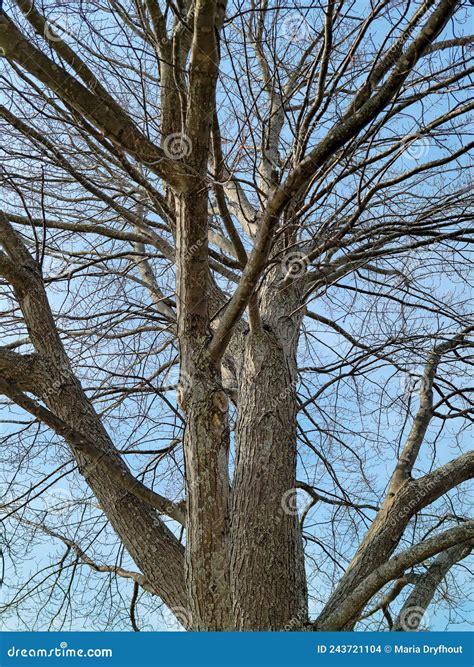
220	401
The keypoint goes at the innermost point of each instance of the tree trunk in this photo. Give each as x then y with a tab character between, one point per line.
267	570
206	438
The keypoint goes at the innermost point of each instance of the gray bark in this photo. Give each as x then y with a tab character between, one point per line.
414	608
266	550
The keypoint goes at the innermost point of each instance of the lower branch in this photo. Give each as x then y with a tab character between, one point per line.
355	601
416	604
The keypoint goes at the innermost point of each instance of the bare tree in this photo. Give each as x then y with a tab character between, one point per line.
235	277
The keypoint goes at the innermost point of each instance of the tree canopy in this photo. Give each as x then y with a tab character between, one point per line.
236	291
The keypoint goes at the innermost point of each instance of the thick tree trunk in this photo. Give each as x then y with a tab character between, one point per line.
206	446
206	439
267	570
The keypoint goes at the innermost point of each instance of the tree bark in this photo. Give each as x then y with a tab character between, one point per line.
242	567
388	526
151	544
415	606
267	569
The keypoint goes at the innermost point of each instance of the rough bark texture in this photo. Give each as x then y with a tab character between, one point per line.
266	563
414	608
153	546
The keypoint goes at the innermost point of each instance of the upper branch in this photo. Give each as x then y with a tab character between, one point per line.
342	132
109	117
427	584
